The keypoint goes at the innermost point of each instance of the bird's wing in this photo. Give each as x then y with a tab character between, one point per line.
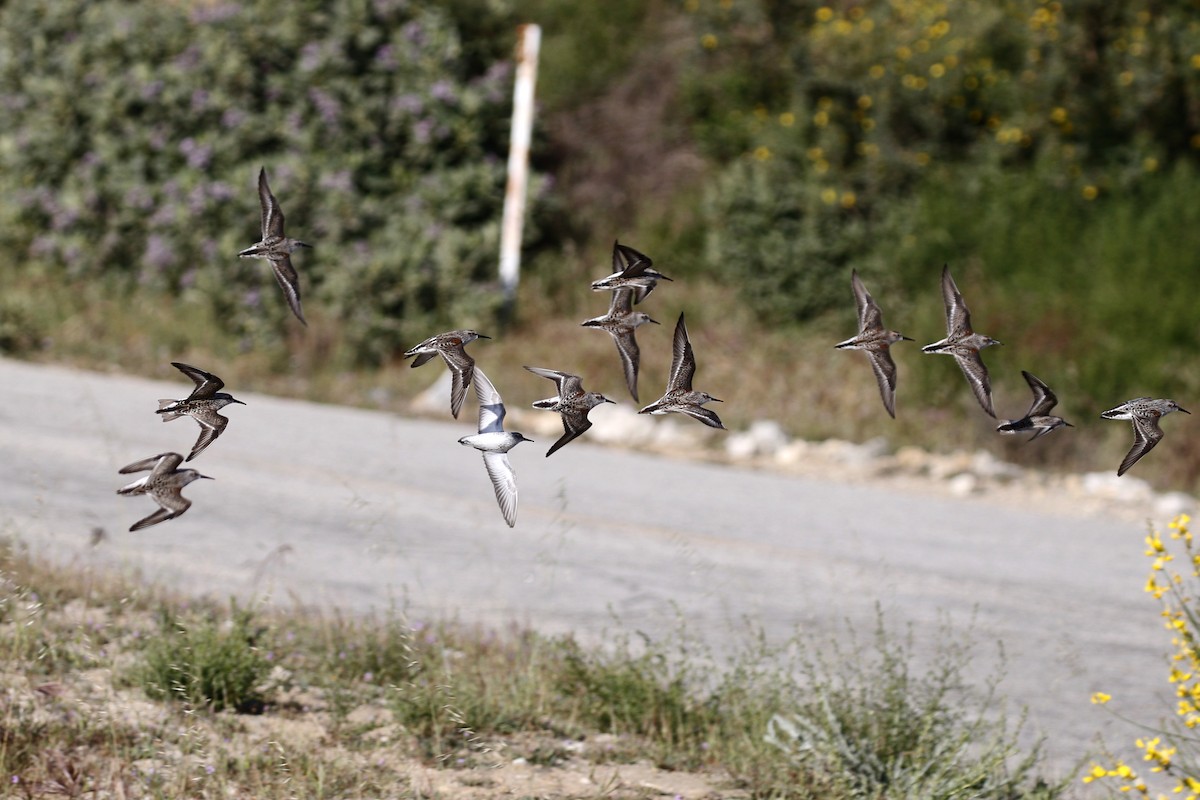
869	316
562	380
1043	398
709	418
627	349
207	384
958	317
289	281
491	407
503	481
1146	434
212	425
977	375
683	361
885	375
461	367
159	515
573	426
272	214
154	463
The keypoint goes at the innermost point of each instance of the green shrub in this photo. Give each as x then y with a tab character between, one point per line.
132	134
861	103
206	661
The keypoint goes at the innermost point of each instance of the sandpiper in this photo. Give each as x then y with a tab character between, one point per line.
876	341
201	405
1038	417
679	396
163	484
963	343
450	346
620	322
276	247
1144	413
631	270
495	443
572	402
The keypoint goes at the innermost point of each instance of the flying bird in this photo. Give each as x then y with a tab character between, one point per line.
201	405
964	344
450	346
1144	413
572	402
494	442
163	484
876	341
1038	417
631	270
620	322
277	248
680	397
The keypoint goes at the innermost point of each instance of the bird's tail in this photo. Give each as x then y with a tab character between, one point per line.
165	408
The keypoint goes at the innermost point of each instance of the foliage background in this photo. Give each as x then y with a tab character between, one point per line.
757	149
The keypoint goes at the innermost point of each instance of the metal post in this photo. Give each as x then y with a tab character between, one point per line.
529	39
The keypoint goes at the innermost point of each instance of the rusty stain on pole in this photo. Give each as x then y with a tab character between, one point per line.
529	39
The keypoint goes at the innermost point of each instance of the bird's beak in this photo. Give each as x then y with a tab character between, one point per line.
614	402
208	477
656	322
305	244
907	339
239	402
1184	410
716	400
481	336
1069	425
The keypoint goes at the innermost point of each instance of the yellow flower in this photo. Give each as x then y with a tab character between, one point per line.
829	196
824	14
863	101
937	70
787	119
1089	192
762	153
821	119
1058	116
876	71
1100	698
849	199
1196	61
708	41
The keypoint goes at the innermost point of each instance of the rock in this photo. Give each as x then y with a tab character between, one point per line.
1108	485
986	466
763	438
963	484
1172	504
437	397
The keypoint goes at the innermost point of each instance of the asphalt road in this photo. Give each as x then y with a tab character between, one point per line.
330	506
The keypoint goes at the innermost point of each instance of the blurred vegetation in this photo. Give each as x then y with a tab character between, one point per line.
1045	150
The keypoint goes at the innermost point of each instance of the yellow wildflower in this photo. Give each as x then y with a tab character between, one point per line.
1100	698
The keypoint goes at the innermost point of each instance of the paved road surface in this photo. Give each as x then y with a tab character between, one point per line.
325	505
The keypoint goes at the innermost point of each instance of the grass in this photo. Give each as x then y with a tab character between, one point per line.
389	706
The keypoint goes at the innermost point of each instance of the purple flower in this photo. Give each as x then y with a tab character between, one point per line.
407	103
197	155
310	56
414	33
338	181
442	90
152	90
199	100
158	253
385	57
327	106
422	131
202	13
233	118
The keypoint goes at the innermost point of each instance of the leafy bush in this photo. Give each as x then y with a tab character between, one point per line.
855	103
873	727
206	661
1169	747
133	132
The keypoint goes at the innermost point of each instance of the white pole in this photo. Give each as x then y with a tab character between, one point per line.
529	39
